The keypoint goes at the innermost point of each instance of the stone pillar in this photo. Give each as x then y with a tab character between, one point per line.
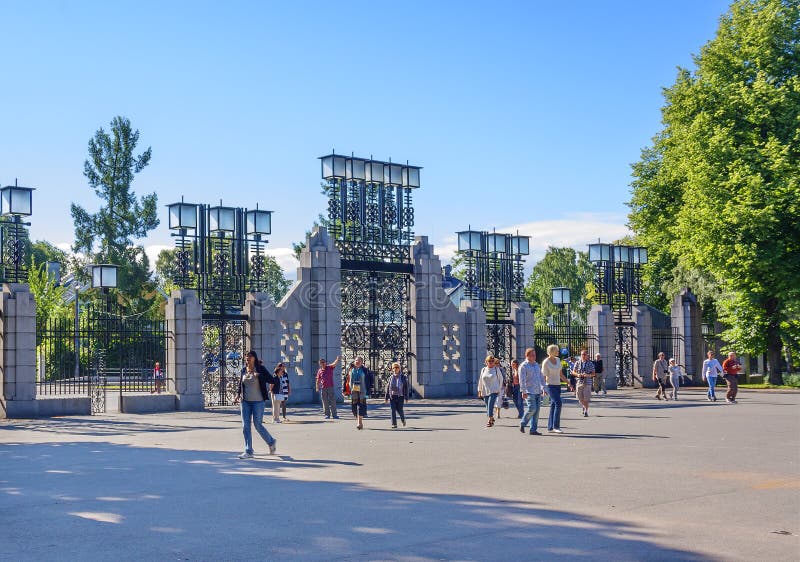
522	329
686	317
261	328
17	352
474	343
601	320
643	360
184	316
320	276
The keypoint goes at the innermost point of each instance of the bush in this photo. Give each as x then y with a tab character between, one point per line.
791	380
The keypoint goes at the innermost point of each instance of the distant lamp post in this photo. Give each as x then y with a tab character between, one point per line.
104	276
15	202
53	271
562	297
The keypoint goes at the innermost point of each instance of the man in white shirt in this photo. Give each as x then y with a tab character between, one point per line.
531	386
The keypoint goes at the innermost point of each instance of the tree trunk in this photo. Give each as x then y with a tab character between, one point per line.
774	342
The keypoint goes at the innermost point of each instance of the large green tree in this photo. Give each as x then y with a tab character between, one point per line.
109	234
717	196
560	267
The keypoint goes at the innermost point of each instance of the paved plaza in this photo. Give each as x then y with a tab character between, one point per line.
637	480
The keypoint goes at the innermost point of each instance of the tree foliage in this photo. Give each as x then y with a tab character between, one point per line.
47	293
561	267
109	235
717	196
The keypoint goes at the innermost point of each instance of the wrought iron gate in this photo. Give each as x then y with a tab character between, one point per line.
624	350
224	349
376	321
500	341
572	338
103	351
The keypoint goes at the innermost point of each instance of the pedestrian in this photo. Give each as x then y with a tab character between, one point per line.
583	370
324	385
358	391
711	369
674	377
660	375
158	378
599	378
731	367
396	392
553	375
531	385
280	393
516	396
502	400
254	383
369	378
489	387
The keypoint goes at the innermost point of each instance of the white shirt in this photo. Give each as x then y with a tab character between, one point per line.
711	368
531	380
489	381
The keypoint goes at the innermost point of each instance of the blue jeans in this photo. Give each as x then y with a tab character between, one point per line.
518	400
490	400
712	382
554	420
533	403
256	411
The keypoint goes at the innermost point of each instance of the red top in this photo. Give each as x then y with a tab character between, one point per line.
325	377
730	366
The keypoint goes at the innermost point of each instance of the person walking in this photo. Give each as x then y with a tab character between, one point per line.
501	396
516	396
660	374
553	375
711	369
731	367
254	383
531	385
396	392
583	371
599	379
324	385
158	378
358	391
674	377
489	387
280	393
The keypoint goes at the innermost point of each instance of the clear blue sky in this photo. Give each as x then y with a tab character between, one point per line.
523	114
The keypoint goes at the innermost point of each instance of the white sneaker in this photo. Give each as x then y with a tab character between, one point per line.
246	456
557	431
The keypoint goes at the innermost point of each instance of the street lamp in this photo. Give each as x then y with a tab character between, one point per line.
104	276
15	202
561	298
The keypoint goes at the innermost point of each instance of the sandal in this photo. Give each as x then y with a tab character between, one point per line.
489	423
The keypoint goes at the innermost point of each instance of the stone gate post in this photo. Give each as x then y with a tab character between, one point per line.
601	320
686	317
184	316
17	352
475	342
522	315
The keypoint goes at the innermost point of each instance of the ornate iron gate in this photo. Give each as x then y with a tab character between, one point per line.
224	349
572	338
624	346
500	341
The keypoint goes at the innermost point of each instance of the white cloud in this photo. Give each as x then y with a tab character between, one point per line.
152	252
285	258
574	230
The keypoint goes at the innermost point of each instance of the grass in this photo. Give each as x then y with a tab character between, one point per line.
765	386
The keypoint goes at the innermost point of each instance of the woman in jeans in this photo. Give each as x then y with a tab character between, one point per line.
396	392
553	375
711	369
254	383
515	394
674	377
489	387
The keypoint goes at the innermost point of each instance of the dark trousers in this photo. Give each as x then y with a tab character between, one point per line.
733	386
396	404
358	403
517	397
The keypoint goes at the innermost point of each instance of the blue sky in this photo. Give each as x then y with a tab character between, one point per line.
524	115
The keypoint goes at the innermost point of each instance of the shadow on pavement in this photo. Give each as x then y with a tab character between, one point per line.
106	501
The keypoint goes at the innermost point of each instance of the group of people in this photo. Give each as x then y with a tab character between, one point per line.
529	382
669	371
256	385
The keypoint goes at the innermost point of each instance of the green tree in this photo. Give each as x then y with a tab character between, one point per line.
49	296
716	197
109	234
561	267
42	251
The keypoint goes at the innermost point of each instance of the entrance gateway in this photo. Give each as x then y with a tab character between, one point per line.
370	217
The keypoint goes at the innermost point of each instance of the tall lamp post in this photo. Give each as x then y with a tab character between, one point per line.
618	284
15	202
494	263
104	277
562	298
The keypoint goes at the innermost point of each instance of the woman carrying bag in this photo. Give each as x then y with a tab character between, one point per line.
489	384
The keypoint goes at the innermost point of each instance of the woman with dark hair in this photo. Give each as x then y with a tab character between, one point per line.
254	385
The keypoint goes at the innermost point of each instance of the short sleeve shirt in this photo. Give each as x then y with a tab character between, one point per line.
325	377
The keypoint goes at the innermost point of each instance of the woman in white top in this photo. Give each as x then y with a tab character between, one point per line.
711	368
553	375
489	387
674	377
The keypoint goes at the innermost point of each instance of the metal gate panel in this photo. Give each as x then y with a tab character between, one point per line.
224	349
